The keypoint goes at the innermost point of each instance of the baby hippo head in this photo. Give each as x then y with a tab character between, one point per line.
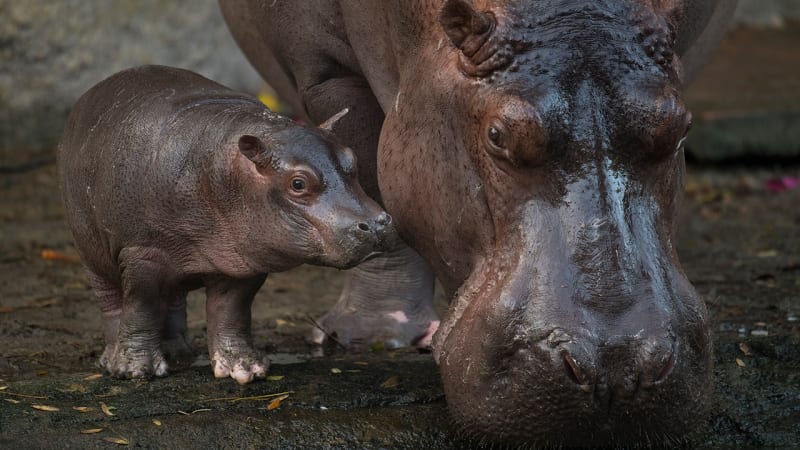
303	201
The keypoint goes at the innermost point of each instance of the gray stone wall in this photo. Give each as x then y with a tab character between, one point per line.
766	13
53	51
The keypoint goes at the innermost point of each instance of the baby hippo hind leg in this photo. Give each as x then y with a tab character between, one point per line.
175	343
230	342
136	352
109	298
387	300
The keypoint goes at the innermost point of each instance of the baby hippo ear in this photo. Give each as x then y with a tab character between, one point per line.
254	149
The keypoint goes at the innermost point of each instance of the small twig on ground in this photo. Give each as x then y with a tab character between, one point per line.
327	335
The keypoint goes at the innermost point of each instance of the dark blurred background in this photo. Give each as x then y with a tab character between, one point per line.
746	103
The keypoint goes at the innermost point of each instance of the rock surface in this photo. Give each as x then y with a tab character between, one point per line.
52	52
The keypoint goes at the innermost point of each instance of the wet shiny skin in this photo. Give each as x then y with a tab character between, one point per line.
172	182
531	153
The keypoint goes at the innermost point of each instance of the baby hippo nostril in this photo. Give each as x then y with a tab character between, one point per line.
383	219
363	226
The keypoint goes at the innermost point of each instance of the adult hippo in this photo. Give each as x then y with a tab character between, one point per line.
532	153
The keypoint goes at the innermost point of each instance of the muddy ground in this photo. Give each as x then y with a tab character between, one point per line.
739	243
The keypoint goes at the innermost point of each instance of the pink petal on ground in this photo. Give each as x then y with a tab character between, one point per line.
782	184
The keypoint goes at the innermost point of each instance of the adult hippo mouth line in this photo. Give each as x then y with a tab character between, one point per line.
531	153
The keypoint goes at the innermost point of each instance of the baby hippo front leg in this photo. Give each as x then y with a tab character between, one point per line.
230	342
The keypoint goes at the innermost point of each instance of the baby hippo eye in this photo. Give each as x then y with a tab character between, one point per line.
303	183
298	184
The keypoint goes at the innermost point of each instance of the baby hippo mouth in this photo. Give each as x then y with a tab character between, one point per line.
355	243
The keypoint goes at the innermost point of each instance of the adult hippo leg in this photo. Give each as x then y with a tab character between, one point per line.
388	299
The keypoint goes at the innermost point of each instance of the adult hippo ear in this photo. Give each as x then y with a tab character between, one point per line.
477	35
331	122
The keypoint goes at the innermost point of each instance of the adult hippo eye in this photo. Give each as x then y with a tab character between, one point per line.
494	136
497	141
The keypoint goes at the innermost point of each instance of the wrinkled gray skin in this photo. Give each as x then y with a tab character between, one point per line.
531	152
171	182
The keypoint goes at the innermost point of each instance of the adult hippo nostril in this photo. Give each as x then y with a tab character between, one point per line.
666	370
363	226
573	371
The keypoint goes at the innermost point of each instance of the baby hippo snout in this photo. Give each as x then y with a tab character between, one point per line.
378	226
359	237
377	232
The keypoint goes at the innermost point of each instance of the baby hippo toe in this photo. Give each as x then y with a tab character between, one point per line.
127	363
243	368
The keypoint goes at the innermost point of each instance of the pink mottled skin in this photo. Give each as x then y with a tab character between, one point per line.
172	182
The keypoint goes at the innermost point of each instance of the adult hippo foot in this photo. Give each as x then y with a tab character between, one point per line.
128	362
387	300
239	362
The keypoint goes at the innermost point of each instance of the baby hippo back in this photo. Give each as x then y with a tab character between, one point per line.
135	150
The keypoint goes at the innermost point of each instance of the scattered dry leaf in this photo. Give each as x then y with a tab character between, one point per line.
156	422
377	347
74	388
114	440
745	349
184	413
275	378
361	363
336	370
3	388
276	402
112	392
83	409
91	430
767	253
44	407
11	400
93	377
739	362
390	382
759	333
106	409
54	255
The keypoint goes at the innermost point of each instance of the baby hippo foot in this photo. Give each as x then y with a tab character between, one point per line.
238	361
387	300
133	363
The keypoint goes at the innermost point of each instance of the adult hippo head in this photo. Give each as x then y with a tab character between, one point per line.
532	153
548	162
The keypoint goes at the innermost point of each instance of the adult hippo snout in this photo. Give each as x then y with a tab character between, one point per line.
531	153
581	325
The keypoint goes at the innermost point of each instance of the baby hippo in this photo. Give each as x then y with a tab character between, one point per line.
172	182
